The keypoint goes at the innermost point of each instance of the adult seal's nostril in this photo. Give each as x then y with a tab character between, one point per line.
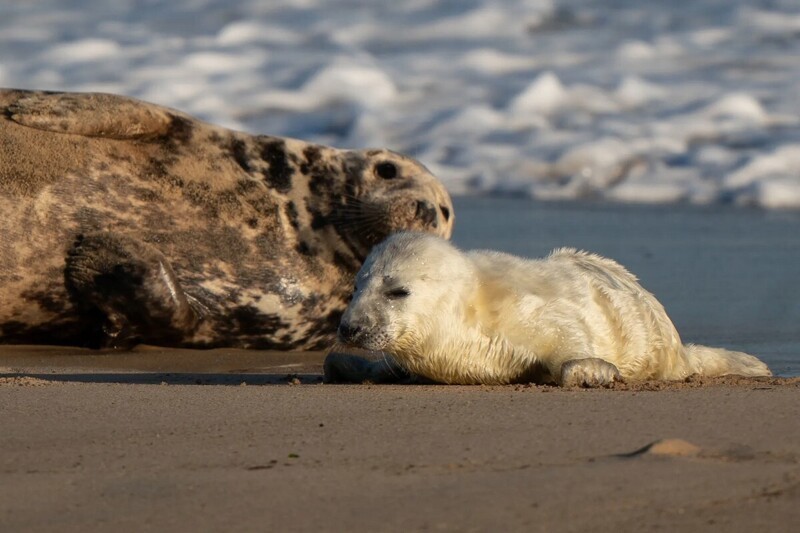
347	333
426	212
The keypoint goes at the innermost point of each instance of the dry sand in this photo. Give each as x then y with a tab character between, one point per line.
138	441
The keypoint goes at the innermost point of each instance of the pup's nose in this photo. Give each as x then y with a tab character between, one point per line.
347	332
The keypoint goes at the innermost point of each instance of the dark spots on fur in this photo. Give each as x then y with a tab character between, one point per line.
47	300
279	174
178	134
292	215
120	157
265	206
345	263
247	320
246	186
198	193
180	129
252	222
239	152
324	327
303	248
293	158
212	202
67	332
325	178
159	171
312	155
324	175
318	220
333	319
319	184
228	201
14	329
145	195
228	245
352	169
89	219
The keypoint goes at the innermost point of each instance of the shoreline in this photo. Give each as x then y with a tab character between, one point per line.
226	366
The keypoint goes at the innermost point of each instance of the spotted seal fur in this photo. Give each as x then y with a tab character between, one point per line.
125	222
486	317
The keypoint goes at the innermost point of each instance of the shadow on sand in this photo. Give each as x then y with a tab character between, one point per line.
147	378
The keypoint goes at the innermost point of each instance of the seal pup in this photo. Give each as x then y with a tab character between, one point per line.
485	317
126	222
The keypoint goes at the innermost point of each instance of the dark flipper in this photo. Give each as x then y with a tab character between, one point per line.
89	114
131	288
348	368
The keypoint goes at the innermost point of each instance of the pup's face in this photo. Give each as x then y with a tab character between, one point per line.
406	283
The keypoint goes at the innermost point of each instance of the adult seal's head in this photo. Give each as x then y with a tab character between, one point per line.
381	192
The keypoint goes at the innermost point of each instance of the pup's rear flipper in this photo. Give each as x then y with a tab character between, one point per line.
721	362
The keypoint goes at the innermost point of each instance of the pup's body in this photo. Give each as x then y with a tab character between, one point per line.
488	317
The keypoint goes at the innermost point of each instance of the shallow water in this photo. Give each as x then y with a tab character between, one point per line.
727	277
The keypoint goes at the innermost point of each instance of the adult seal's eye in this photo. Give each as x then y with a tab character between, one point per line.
386	170
397	294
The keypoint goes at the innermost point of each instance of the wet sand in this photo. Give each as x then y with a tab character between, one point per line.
237	440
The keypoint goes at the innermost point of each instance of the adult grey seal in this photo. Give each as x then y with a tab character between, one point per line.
126	222
484	317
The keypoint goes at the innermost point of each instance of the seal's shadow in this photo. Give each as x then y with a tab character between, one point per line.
229	379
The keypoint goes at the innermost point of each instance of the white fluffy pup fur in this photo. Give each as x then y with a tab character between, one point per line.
493	318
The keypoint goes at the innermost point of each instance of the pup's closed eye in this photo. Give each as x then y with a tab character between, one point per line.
398	293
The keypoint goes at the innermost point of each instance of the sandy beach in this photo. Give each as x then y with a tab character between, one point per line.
688	117
272	449
238	440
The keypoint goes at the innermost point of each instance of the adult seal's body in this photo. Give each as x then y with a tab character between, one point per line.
486	317
126	222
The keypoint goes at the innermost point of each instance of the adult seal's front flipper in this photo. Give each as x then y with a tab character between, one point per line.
130	288
89	114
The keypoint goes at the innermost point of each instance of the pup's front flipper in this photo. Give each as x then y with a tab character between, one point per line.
348	368
130	288
590	372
